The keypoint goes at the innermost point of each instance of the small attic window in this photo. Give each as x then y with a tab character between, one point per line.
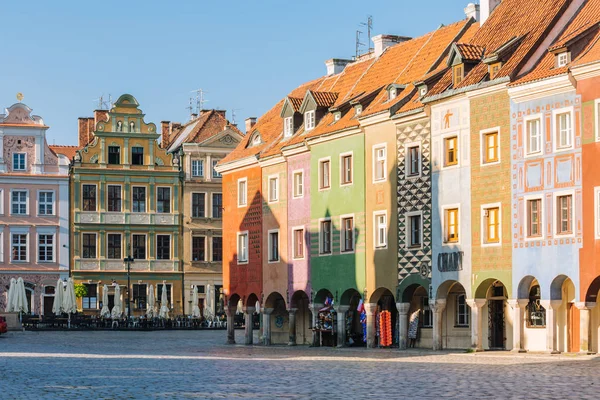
562	59
255	140
358	109
288	126
309	120
458	74
337	115
494	69
423	91
393	93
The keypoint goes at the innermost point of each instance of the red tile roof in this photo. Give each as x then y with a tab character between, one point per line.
324	99
198	130
470	52
68	151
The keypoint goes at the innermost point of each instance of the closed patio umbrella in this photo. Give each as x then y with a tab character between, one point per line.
69	300
164	309
208	305
20	298
11	295
195	309
59	292
118	308
151	310
105	312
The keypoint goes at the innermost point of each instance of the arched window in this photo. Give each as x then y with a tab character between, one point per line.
536	314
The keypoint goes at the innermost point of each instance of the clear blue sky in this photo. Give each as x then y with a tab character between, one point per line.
245	54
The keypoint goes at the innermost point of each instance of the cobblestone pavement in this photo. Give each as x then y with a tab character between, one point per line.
196	364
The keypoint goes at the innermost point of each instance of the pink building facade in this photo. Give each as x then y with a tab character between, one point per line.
34	209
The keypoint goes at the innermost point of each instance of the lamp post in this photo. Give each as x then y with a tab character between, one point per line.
128	260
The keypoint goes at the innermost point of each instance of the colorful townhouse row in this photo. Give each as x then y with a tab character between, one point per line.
450	179
119	194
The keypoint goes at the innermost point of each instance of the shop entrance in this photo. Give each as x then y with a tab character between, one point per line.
48	299
496	324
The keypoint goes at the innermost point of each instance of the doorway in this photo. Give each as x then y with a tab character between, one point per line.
496	324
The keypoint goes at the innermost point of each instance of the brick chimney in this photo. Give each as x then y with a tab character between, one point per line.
100	115
86	130
486	9
382	42
336	65
165	131
250	122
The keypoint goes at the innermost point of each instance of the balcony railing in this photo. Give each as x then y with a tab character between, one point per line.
91	217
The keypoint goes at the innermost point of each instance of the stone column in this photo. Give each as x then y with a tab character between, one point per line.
341	324
437	307
476	331
248	334
402	324
518	306
266	322
551	306
292	329
370	309
230	311
314	308
585	332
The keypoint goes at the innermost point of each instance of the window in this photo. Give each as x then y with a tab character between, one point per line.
159	289
298	238
380	163
137	155
413	154
490	147
273	189
163	200
198	168
198	248
242	192
88	248
380	230
114	155
89	197
19	247
347	234
563	130
138	199
217	248
451	149
414	230
563	213
325	232
242	247
114	198
534	136
393	93
596	211
113	246
451	222
90	300
19	202
494	69
536	314
462	311
298	184
19	161
215	173
288	126
491	225
45	248
562	59
140	291
423	91
273	246
198	205
346	169
324	174
163	247
534	218
45	203
427	313
217	205
458	72
358	109
138	244
337	116
309	120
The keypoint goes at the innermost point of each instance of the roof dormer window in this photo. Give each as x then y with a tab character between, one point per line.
562	59
423	91
358	109
288	126
494	69
458	74
255	140
337	115
393	93
309	120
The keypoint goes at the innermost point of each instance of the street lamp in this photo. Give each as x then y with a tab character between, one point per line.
128	260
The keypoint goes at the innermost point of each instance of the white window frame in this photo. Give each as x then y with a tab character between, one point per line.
270	179
596	213
393	93
20	231
321	253
295	194
288	126
123	253
407	159
466	315
342	155
146	247
171	199
320	172
597	116
145	199
555	127
97	255
82	199
243	261
2	245
526	120
122	198
555	197
200	162
443	148
24	162
376	230
245	203
562	59
156	247
408	230
526	200
52	204
270	259
376	160
483	231
342	231
483	146
445	209
205	248
1	203
212	198
205	204
358	109
309	120
26	201
294	230
215	173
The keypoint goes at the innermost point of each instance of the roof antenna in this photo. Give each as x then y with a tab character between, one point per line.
200	100
103	104
233	115
369	25
358	44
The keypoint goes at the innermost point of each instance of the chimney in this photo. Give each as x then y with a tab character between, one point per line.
86	130
221	112
336	65
382	42
193	116
165	131
100	115
472	11
250	122
486	8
